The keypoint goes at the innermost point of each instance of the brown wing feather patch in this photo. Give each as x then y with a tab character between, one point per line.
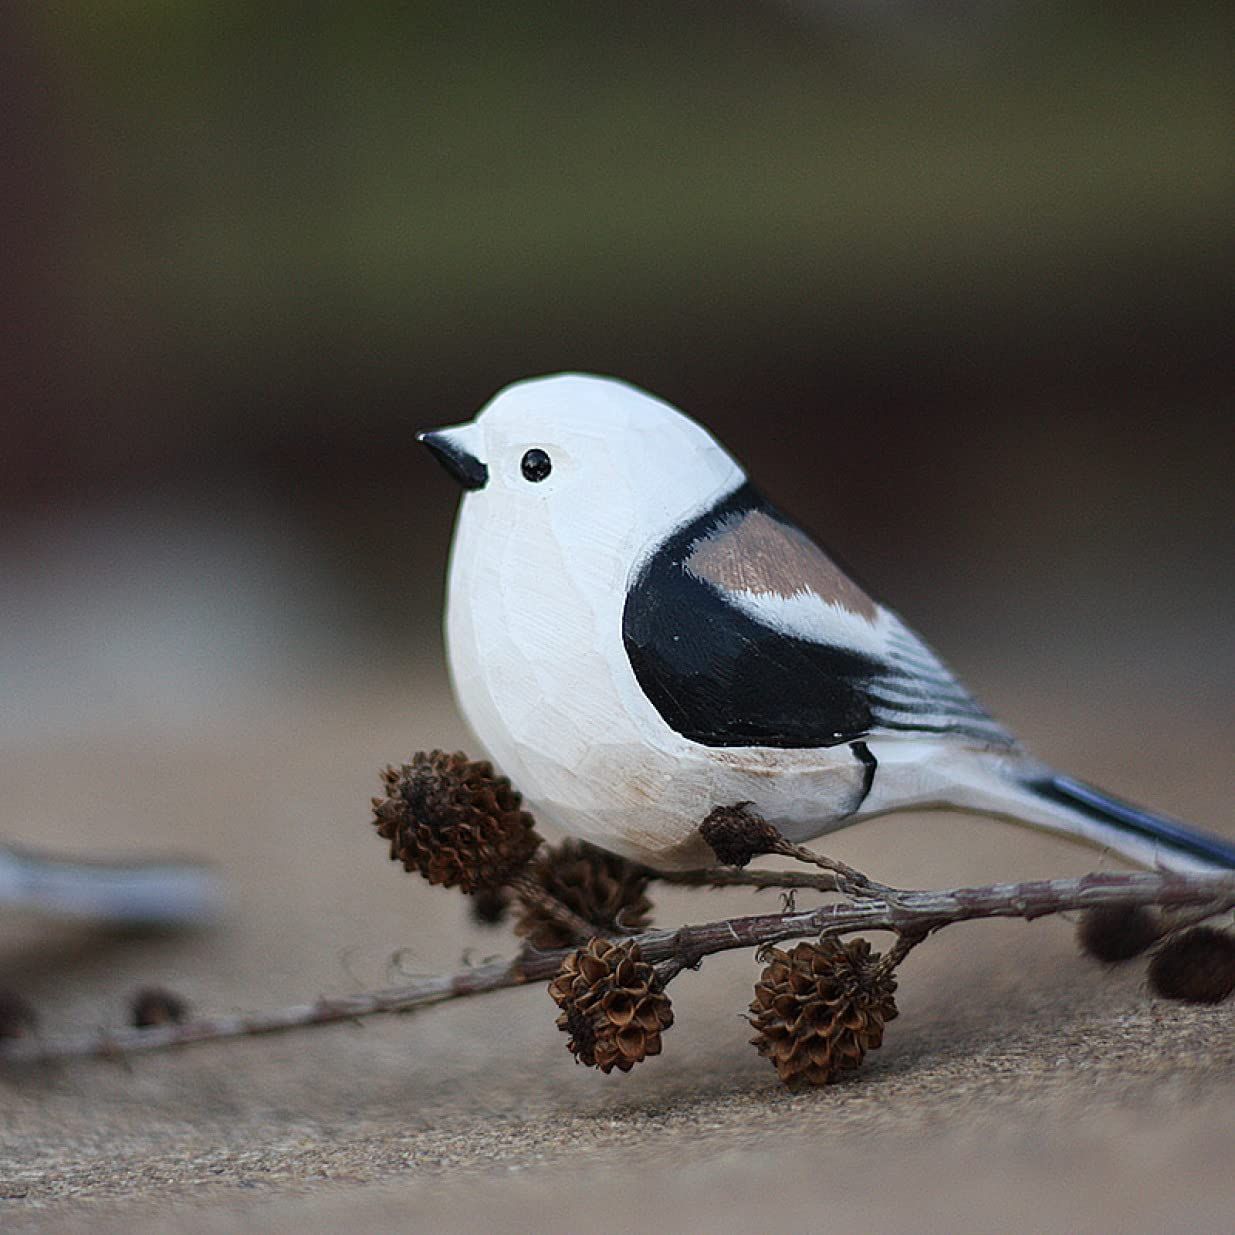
756	553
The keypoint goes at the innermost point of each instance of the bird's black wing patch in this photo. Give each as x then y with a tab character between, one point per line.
719	677
743	632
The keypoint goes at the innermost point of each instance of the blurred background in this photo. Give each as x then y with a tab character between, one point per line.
954	280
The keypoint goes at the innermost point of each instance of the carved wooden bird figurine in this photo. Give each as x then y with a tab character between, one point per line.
637	636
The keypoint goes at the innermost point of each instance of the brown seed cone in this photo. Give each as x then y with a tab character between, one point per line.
819	1008
18	1018
735	834
1112	934
603	889
613	1005
152	1005
489	906
455	821
1197	966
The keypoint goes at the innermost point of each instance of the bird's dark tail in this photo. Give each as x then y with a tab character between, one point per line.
1035	794
1167	837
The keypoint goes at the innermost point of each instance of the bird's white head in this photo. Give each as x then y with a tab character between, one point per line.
588	455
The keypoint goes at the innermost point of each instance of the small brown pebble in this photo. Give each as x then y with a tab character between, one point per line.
153	1005
1196	966
1118	933
18	1019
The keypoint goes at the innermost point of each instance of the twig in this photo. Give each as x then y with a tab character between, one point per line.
530	892
912	915
905	943
848	879
743	877
840	878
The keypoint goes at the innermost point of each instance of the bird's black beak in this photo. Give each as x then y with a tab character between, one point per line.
448	445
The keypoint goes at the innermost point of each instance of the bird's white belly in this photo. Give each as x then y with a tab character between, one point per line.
542	678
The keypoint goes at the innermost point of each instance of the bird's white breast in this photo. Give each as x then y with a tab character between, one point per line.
534	638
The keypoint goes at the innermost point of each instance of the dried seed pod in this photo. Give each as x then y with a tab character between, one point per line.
613	1005
1197	966
489	906
1118	933
819	1007
152	1005
18	1018
602	888
735	834
455	821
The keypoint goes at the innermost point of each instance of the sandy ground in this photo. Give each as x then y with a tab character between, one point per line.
1023	1088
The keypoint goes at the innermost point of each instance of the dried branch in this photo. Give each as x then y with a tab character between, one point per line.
532	893
736	834
912	915
730	877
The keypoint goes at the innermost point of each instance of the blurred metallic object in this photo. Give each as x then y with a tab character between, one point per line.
142	893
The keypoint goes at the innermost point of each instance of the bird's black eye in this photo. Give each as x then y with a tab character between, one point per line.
536	465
